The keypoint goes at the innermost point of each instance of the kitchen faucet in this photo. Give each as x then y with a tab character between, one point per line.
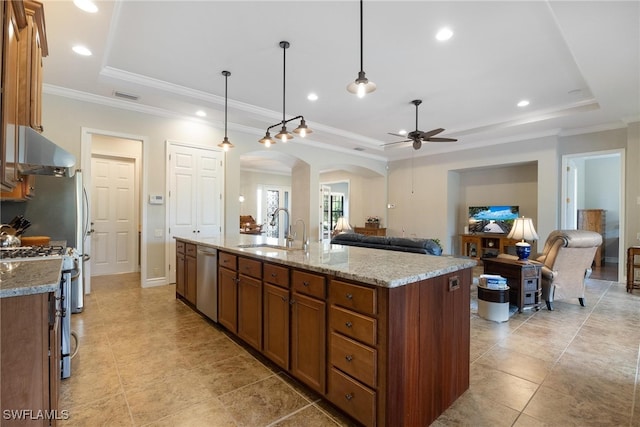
305	239
288	238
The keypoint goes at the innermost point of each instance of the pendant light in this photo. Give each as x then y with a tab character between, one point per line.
284	135
225	144
361	86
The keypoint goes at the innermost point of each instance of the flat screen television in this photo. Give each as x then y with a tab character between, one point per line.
492	219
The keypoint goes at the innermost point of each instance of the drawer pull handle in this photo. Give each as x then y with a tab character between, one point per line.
348	396
284	299
348	324
274	275
349	296
349	357
306	284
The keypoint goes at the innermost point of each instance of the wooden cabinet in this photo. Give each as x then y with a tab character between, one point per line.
228	291
24	44
353	349
594	220
250	301
633	268
370	231
486	245
308	329
30	356
276	314
524	280
33	48
13	20
186	270
24	189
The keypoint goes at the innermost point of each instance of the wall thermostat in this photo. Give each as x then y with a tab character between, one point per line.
156	199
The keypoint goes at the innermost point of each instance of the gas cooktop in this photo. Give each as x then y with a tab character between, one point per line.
31	252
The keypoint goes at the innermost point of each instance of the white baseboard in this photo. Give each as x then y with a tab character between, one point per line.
158	281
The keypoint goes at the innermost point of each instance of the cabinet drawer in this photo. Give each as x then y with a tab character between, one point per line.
191	249
351	296
309	284
352	324
180	246
276	274
227	260
530	284
250	267
355	359
530	272
352	397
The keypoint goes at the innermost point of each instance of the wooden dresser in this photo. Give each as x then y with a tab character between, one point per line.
370	231
594	220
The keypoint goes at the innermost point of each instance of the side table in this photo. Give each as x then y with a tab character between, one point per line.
633	266
523	277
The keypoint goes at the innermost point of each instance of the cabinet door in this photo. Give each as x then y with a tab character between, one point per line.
10	93
250	311
308	341
180	274
190	279
54	355
227	299
276	324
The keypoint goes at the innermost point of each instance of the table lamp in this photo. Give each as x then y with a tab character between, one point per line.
341	226
523	230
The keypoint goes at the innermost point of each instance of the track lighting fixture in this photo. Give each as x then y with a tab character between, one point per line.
361	86
284	135
225	144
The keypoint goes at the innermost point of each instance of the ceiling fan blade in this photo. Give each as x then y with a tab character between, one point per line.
396	142
434	132
397	134
441	140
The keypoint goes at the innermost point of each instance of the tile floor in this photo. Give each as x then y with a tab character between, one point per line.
147	359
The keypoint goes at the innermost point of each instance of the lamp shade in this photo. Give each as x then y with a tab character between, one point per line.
523	230
342	225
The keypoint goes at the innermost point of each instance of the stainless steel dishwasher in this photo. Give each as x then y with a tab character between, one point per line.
207	282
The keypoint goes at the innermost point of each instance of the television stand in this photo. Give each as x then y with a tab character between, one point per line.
486	245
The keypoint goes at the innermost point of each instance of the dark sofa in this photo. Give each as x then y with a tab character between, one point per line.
403	244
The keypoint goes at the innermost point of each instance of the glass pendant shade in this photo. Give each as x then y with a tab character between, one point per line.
361	86
225	144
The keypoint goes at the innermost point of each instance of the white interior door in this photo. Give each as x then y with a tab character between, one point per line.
114	239
195	195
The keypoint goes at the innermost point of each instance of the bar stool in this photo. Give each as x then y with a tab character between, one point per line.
633	266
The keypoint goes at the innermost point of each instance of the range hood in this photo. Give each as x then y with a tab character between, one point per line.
39	156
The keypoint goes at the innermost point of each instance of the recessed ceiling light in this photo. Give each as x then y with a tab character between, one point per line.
86	5
81	50
312	97
201	113
444	34
402	132
523	103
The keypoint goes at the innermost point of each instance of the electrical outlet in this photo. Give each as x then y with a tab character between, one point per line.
638	236
157	232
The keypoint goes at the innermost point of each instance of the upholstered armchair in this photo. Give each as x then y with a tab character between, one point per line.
567	257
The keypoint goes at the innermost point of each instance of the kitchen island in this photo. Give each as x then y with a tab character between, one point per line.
382	335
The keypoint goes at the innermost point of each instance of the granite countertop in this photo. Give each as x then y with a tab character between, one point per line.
377	267
33	276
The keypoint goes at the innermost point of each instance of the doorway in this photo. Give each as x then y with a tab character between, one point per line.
270	198
114	215
595	180
124	147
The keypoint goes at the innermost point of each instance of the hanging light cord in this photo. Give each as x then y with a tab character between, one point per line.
226	77
361	38
284	77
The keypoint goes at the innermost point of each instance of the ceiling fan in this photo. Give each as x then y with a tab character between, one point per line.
417	136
